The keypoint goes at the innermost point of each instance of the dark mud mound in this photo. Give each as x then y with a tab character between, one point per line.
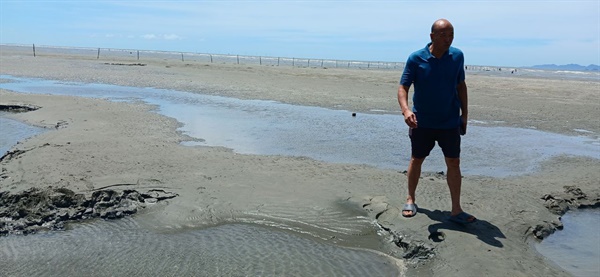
559	203
17	108
49	209
572	198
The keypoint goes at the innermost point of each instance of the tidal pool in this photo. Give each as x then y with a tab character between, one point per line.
381	140
576	248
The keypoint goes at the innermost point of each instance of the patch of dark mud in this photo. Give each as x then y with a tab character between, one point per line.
37	210
414	250
14	154
572	198
17	108
559	203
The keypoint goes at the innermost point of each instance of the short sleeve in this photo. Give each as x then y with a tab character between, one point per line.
461	70
408	75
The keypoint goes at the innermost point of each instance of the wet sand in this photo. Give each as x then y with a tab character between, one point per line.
96	143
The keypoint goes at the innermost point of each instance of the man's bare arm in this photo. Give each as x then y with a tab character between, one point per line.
409	117
464	103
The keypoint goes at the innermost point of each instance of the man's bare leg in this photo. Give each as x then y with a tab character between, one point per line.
454	179
414	173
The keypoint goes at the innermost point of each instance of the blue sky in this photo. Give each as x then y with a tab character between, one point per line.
500	33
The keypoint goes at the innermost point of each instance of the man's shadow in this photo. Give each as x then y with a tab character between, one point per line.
484	230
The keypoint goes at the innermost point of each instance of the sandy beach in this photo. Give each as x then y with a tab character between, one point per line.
94	143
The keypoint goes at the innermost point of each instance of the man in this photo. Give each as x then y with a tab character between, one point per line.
439	112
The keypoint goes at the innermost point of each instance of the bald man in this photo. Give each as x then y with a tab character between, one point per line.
439	113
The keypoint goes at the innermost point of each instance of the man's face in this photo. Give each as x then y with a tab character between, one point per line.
443	36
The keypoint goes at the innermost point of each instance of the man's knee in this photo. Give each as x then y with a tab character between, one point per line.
415	164
416	161
453	162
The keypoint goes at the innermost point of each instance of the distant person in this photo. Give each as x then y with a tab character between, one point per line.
439	112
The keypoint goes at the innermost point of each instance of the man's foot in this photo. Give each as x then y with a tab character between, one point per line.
409	210
462	218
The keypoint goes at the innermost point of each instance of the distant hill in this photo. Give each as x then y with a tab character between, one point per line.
591	67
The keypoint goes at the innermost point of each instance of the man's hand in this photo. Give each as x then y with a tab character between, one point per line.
410	119
463	125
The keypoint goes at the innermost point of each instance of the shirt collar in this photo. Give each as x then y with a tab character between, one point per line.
448	52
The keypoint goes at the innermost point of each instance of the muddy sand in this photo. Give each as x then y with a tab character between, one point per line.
94	145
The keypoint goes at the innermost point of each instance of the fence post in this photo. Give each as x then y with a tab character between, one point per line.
211	60
321	63
277	61
34	49
138	55
238	59
293	62
98	57
182	57
260	60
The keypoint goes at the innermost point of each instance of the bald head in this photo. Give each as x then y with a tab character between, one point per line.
441	25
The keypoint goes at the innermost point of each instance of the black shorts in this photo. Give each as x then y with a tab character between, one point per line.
423	140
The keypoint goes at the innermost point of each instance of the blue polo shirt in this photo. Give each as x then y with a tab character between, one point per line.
435	98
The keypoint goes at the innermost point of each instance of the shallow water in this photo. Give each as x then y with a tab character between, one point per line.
123	247
14	131
576	248
381	140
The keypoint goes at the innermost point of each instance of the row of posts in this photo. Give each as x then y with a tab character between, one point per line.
237	59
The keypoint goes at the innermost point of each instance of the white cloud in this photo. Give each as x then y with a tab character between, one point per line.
161	37
171	37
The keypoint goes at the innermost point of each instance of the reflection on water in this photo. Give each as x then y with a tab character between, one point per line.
267	127
576	248
122	247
